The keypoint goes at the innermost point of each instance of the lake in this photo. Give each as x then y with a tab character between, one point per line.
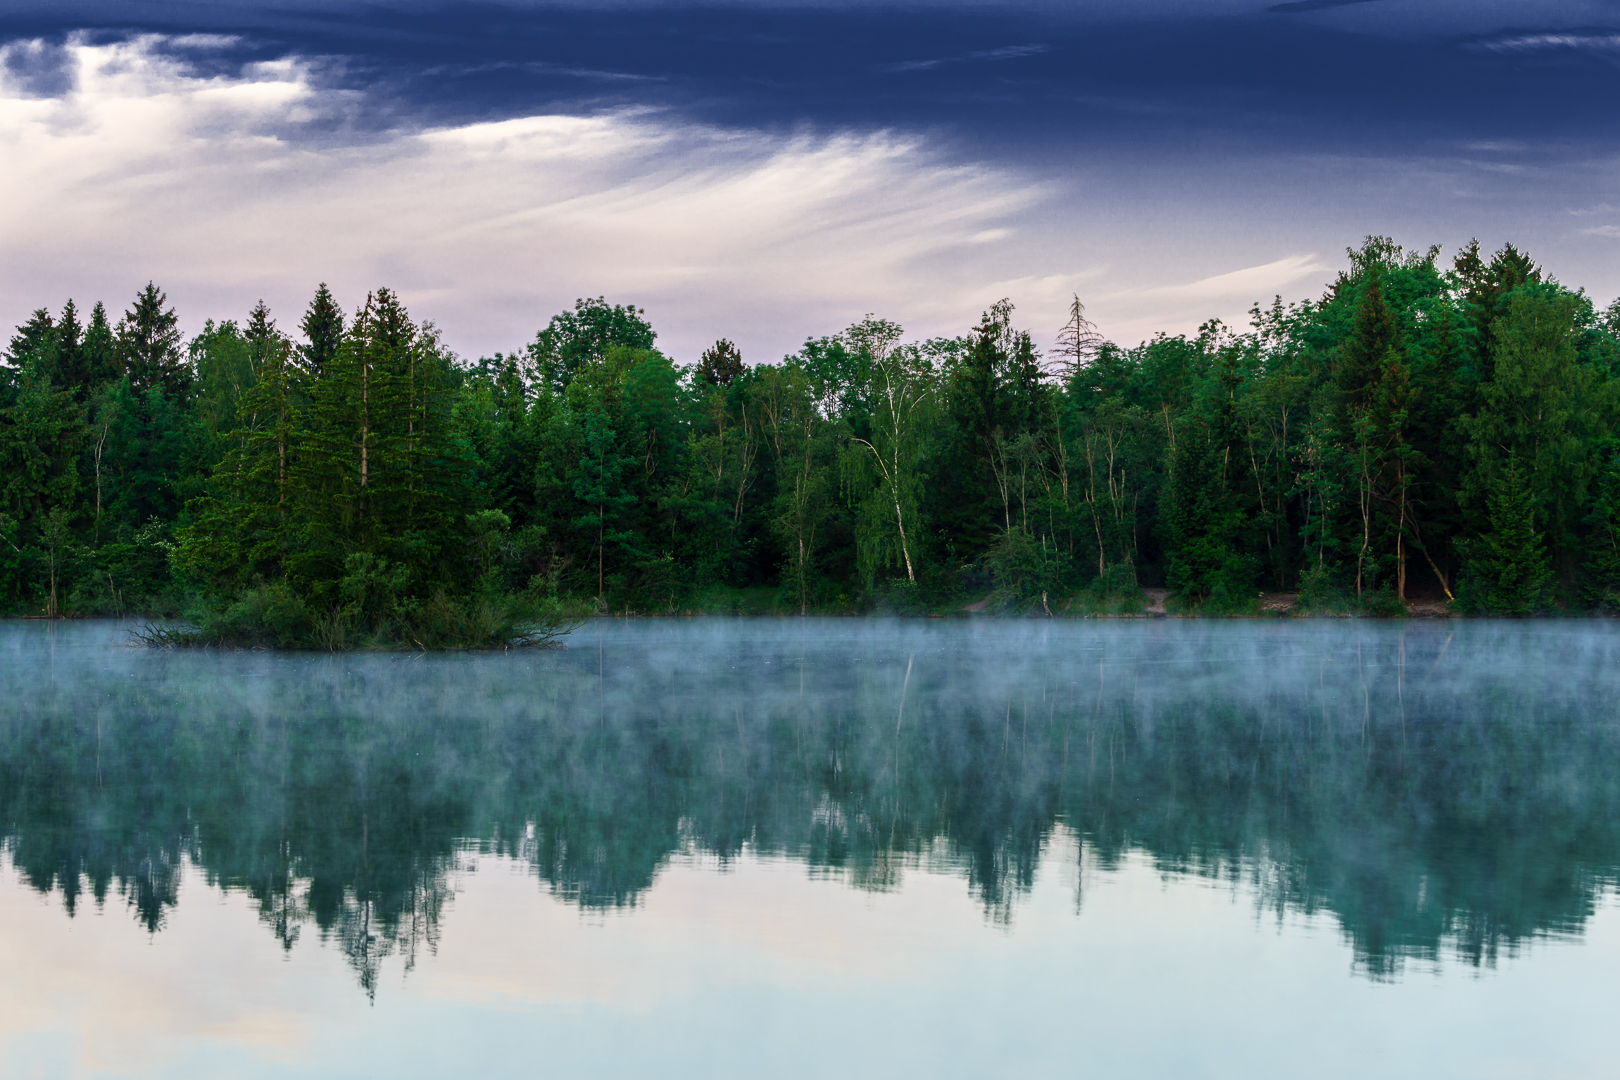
732	848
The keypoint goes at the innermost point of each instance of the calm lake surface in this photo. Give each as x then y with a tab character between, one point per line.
816	848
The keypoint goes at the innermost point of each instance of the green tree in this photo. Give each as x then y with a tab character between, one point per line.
1540	407
40	433
1204	523
574	338
800	449
240	531
148	346
721	363
882	470
322	327
1512	563
599	485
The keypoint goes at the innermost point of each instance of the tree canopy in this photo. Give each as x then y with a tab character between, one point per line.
1422	431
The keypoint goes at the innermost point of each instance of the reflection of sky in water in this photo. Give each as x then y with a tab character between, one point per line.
762	970
1117	849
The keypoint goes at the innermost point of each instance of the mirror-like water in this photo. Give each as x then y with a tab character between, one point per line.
797	847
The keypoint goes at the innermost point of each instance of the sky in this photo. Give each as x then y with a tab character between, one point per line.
768	171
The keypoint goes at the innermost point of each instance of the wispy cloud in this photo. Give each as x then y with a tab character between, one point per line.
1599	41
1254	282
226	188
1008	52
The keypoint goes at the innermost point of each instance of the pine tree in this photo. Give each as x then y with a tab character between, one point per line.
1513	565
721	364
1203	523
240	529
33	342
1601	564
148	346
376	472
323	332
99	349
69	369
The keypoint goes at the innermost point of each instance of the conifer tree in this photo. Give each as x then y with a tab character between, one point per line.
1203	522
323	332
240	530
1513	563
1602	542
68	367
32	343
720	364
148	345
99	349
332	473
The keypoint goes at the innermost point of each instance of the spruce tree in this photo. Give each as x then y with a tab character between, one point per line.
99	350
68	368
1203	522
1601	562
148	346
240	529
1512	564
377	472
332	472
323	332
33	342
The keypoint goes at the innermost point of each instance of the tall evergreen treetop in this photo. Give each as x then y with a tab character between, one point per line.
68	367
100	347
721	363
1375	335
1484	288
33	341
323	331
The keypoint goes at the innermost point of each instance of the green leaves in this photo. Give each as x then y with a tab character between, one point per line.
1511	562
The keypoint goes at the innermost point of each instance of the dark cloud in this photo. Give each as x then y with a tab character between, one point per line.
38	67
1179	130
1028	80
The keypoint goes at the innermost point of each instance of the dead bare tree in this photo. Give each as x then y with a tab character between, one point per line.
1077	345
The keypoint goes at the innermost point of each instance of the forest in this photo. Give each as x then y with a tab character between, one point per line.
1422	431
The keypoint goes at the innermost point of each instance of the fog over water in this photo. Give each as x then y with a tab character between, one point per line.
1437	794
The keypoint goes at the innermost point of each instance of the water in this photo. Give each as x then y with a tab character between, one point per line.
789	848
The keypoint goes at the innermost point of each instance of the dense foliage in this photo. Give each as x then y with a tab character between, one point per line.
1420	432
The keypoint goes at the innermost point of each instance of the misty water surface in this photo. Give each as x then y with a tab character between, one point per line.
1373	810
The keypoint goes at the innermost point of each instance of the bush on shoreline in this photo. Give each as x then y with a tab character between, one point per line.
275	618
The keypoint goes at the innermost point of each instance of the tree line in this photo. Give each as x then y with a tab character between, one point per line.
1422	431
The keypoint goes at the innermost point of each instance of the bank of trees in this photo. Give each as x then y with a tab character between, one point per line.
1423	431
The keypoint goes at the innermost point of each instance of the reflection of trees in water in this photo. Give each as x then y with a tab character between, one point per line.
1429	796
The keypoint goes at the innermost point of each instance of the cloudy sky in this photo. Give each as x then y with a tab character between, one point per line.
765	171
